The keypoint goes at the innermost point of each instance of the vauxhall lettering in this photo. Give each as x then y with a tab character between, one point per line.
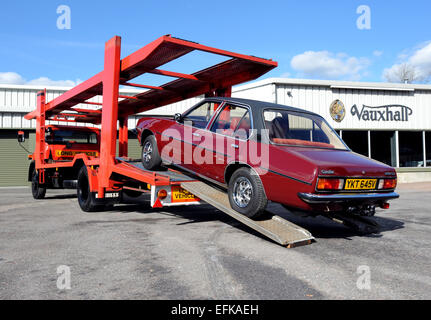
393	112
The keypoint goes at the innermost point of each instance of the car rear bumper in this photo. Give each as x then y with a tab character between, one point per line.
312	198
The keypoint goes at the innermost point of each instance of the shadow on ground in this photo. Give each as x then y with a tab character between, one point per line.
320	227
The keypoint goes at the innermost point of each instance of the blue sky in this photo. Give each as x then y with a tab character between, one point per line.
309	38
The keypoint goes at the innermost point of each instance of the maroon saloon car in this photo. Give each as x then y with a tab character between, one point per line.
265	152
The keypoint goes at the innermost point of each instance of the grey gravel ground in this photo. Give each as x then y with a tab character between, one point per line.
135	252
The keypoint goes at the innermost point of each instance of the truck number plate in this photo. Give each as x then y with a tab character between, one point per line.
181	195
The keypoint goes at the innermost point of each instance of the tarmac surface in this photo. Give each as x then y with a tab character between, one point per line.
197	252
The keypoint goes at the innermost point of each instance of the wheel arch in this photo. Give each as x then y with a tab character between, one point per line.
30	170
233	166
79	163
144	134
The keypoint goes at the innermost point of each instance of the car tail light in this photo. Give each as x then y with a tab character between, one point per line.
162	194
387	183
330	184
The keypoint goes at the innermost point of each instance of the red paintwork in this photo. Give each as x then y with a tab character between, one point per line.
297	168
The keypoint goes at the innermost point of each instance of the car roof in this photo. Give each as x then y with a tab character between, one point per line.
260	105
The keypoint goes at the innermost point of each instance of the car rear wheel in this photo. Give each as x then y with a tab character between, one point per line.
246	193
150	158
38	190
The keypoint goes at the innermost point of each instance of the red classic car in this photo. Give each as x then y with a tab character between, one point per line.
265	152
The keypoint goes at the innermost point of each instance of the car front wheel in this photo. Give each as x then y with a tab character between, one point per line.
246	193
151	159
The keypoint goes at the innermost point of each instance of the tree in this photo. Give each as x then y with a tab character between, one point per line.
404	73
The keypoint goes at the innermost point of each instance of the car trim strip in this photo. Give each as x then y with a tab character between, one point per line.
286	176
194	144
272	171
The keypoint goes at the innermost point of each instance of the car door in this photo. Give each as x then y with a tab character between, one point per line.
194	124
229	131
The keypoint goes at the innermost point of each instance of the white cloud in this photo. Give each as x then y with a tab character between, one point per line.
325	64
377	53
11	78
419	59
44	81
15	78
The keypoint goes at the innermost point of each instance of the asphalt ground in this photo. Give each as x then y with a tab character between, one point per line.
197	252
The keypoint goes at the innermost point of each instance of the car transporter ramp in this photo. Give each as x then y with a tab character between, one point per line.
270	225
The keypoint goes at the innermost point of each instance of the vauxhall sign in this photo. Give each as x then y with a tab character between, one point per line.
392	112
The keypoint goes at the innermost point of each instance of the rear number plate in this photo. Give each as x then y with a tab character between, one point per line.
360	184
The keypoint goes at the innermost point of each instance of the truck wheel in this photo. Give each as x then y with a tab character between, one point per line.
86	199
151	159
37	189
246	193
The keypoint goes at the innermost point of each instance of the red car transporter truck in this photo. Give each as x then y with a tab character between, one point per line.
86	158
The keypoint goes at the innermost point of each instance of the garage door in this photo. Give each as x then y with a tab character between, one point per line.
13	158
134	149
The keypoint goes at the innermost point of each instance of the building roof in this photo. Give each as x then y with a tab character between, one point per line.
335	84
57	88
257	104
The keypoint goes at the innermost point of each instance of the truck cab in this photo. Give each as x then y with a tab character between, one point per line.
62	143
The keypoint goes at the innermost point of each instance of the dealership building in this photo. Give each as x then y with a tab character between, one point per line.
384	121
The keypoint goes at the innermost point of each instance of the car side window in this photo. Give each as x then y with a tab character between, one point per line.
201	115
233	121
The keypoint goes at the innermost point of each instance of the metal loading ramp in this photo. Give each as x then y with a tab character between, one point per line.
270	225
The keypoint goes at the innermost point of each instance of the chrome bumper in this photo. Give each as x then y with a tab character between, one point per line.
312	198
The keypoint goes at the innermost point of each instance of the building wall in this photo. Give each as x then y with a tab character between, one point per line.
16	101
312	95
407	140
318	99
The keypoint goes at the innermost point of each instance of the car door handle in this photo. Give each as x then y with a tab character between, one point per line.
196	134
234	146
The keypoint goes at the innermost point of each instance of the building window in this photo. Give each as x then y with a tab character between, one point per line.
411	149
383	147
357	141
428	147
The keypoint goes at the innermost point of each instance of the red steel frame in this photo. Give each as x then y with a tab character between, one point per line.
216	80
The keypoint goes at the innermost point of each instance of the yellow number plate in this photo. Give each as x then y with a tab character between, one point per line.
70	153
181	195
360	184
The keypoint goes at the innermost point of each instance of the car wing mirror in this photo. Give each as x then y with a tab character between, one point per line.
21	136
178	117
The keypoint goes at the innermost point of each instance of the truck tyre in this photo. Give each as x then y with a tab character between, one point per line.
246	193
150	158
38	190
86	198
